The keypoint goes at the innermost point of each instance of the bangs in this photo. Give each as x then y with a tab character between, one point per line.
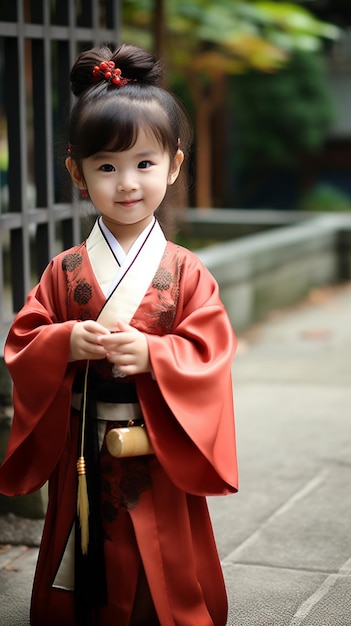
113	125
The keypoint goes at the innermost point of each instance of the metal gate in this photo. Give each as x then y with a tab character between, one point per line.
39	214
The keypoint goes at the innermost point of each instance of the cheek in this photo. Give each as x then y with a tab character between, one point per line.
98	195
160	189
101	188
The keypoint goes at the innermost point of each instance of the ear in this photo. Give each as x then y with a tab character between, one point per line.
175	167
75	173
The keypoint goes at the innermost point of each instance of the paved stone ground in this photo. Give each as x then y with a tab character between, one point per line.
285	538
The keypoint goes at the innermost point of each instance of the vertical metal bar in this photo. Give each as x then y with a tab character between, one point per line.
15	179
39	144
23	150
118	18
40	158
11	99
114	14
95	17
70	227
72	53
48	129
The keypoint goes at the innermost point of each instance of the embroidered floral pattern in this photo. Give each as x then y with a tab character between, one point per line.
78	289
71	261
83	292
166	318
162	279
166	282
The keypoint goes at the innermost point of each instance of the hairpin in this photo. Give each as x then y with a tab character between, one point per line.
107	70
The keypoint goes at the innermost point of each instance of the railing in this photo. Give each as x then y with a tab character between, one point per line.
39	40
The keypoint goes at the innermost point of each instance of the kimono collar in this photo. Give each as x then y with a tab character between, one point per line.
124	282
116	247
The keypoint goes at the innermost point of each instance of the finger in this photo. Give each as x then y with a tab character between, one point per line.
120	359
94	328
123	327
115	341
93	352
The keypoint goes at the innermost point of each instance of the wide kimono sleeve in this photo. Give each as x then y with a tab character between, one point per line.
188	404
36	354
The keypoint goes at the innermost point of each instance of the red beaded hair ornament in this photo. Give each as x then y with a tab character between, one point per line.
107	71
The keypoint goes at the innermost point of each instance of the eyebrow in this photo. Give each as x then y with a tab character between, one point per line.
146	153
107	155
101	155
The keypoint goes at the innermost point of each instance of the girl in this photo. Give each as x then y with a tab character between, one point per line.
125	329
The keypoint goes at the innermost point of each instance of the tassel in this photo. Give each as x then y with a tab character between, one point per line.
83	505
82	495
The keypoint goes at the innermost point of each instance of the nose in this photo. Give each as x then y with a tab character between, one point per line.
126	181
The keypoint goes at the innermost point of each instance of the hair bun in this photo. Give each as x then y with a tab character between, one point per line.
134	63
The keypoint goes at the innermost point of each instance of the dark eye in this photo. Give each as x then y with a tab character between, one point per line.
107	167
143	165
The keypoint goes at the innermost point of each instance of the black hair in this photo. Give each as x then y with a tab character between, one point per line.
107	117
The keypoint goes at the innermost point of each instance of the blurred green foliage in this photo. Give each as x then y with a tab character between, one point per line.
325	197
283	116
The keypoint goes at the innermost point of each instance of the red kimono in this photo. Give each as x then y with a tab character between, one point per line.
187	404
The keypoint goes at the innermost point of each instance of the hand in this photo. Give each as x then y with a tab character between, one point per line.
84	342
128	349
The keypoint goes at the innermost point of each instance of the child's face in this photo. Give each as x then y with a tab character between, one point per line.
127	187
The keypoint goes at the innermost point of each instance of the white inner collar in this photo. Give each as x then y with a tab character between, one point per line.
116	248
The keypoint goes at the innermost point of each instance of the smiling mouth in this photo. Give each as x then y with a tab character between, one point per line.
128	203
